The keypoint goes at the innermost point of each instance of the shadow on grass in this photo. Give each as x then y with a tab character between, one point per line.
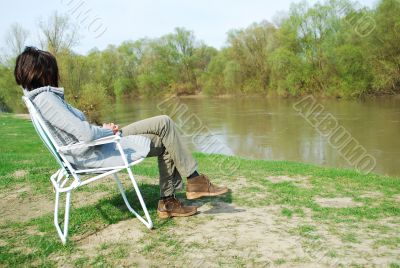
150	193
218	204
113	209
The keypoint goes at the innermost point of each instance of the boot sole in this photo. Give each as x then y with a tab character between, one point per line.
195	195
165	215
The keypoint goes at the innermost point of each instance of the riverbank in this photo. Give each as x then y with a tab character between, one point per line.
273	95
278	213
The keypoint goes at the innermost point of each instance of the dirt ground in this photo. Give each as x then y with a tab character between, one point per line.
222	234
226	235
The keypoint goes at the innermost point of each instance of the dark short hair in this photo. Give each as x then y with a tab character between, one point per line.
36	68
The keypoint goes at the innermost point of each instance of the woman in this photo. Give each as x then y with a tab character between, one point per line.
37	72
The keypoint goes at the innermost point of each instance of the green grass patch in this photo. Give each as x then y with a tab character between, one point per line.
34	242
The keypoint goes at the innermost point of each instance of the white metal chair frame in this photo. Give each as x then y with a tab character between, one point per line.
61	178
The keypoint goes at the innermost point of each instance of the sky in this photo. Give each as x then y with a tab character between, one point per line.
112	22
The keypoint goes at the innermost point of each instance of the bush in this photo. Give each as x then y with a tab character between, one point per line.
10	92
124	86
93	101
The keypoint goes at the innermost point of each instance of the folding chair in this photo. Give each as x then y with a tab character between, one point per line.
61	178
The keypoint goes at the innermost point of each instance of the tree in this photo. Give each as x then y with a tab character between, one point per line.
213	76
16	39
384	47
182	44
319	51
58	33
331	48
249	52
10	93
173	63
157	69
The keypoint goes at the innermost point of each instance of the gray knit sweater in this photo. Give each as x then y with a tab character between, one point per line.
68	125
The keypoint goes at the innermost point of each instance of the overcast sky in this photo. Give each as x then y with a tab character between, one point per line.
111	22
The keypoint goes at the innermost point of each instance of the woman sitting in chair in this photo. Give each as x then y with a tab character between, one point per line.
37	72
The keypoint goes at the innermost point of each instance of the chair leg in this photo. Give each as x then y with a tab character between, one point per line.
62	234
148	223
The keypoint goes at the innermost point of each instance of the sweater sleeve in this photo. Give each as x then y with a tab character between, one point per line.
55	111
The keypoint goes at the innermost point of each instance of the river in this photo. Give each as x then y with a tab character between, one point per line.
271	129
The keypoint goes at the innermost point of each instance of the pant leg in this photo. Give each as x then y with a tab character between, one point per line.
170	180
176	159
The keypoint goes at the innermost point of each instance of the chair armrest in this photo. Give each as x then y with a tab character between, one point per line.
105	140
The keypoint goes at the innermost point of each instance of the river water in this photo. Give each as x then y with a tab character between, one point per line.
272	129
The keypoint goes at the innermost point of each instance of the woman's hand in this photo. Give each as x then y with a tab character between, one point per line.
111	126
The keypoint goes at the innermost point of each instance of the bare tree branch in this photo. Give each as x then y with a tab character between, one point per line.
58	33
16	39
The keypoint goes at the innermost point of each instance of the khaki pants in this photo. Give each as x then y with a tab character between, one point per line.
174	160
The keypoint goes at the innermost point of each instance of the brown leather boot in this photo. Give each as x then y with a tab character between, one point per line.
201	186
172	207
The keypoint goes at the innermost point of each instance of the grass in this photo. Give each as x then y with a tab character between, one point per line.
26	164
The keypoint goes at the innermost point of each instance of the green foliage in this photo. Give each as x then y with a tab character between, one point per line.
332	48
10	93
287	73
122	86
249	50
385	50
173	64
93	101
213	77
232	77
353	70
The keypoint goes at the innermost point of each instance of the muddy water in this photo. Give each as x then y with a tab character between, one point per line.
272	129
